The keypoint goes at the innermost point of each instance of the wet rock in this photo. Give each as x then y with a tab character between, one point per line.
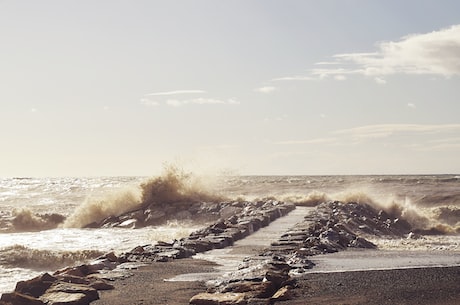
36	286
68	293
228	298
81	271
101	285
251	289
283	294
73	279
16	298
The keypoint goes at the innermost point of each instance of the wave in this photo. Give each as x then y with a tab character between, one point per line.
174	185
436	220
99	208
26	220
23	257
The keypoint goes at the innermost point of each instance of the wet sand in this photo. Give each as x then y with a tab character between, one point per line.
148	286
432	285
436	285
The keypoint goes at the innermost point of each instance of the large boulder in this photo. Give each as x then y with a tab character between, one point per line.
69	294
35	287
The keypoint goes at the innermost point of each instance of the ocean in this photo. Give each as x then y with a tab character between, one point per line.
42	219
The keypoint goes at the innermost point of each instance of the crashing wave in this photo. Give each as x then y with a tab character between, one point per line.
23	257
26	220
173	186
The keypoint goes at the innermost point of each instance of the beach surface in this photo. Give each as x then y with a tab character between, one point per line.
354	276
429	285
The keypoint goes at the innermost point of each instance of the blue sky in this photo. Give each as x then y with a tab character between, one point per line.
256	87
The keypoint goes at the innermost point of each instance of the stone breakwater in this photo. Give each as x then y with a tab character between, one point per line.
262	279
271	276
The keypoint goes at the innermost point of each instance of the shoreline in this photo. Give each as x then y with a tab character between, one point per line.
427	285
278	269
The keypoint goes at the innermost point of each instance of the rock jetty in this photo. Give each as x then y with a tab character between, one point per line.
271	276
265	278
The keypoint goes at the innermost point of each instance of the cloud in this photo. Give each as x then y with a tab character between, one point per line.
386	130
411	105
295	78
434	53
267	89
312	141
199	101
168	98
149	102
444	144
176	92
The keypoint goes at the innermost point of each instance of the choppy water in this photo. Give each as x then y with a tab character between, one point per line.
434	197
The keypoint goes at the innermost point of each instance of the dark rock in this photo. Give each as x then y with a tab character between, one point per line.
16	298
36	286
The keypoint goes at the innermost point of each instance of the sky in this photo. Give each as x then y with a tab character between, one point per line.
262	87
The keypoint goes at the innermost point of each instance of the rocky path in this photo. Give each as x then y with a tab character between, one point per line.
230	258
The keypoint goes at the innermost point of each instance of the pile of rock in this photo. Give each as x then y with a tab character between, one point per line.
263	283
238	220
335	226
74	285
331	227
160	213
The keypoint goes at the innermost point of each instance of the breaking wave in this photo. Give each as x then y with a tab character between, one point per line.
174	185
26	220
96	209
436	220
18	256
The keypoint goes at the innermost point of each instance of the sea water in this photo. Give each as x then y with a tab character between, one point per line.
28	246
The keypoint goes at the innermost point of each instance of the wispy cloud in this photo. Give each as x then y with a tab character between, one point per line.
444	144
434	53
295	78
176	99
199	101
380	81
267	89
363	134
176	92
411	105
386	130
312	141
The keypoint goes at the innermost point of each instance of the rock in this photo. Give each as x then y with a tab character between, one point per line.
67	293
65	298
81	271
101	285
36	286
111	257
73	279
251	289
229	211
283	294
128	224
228	298
16	298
